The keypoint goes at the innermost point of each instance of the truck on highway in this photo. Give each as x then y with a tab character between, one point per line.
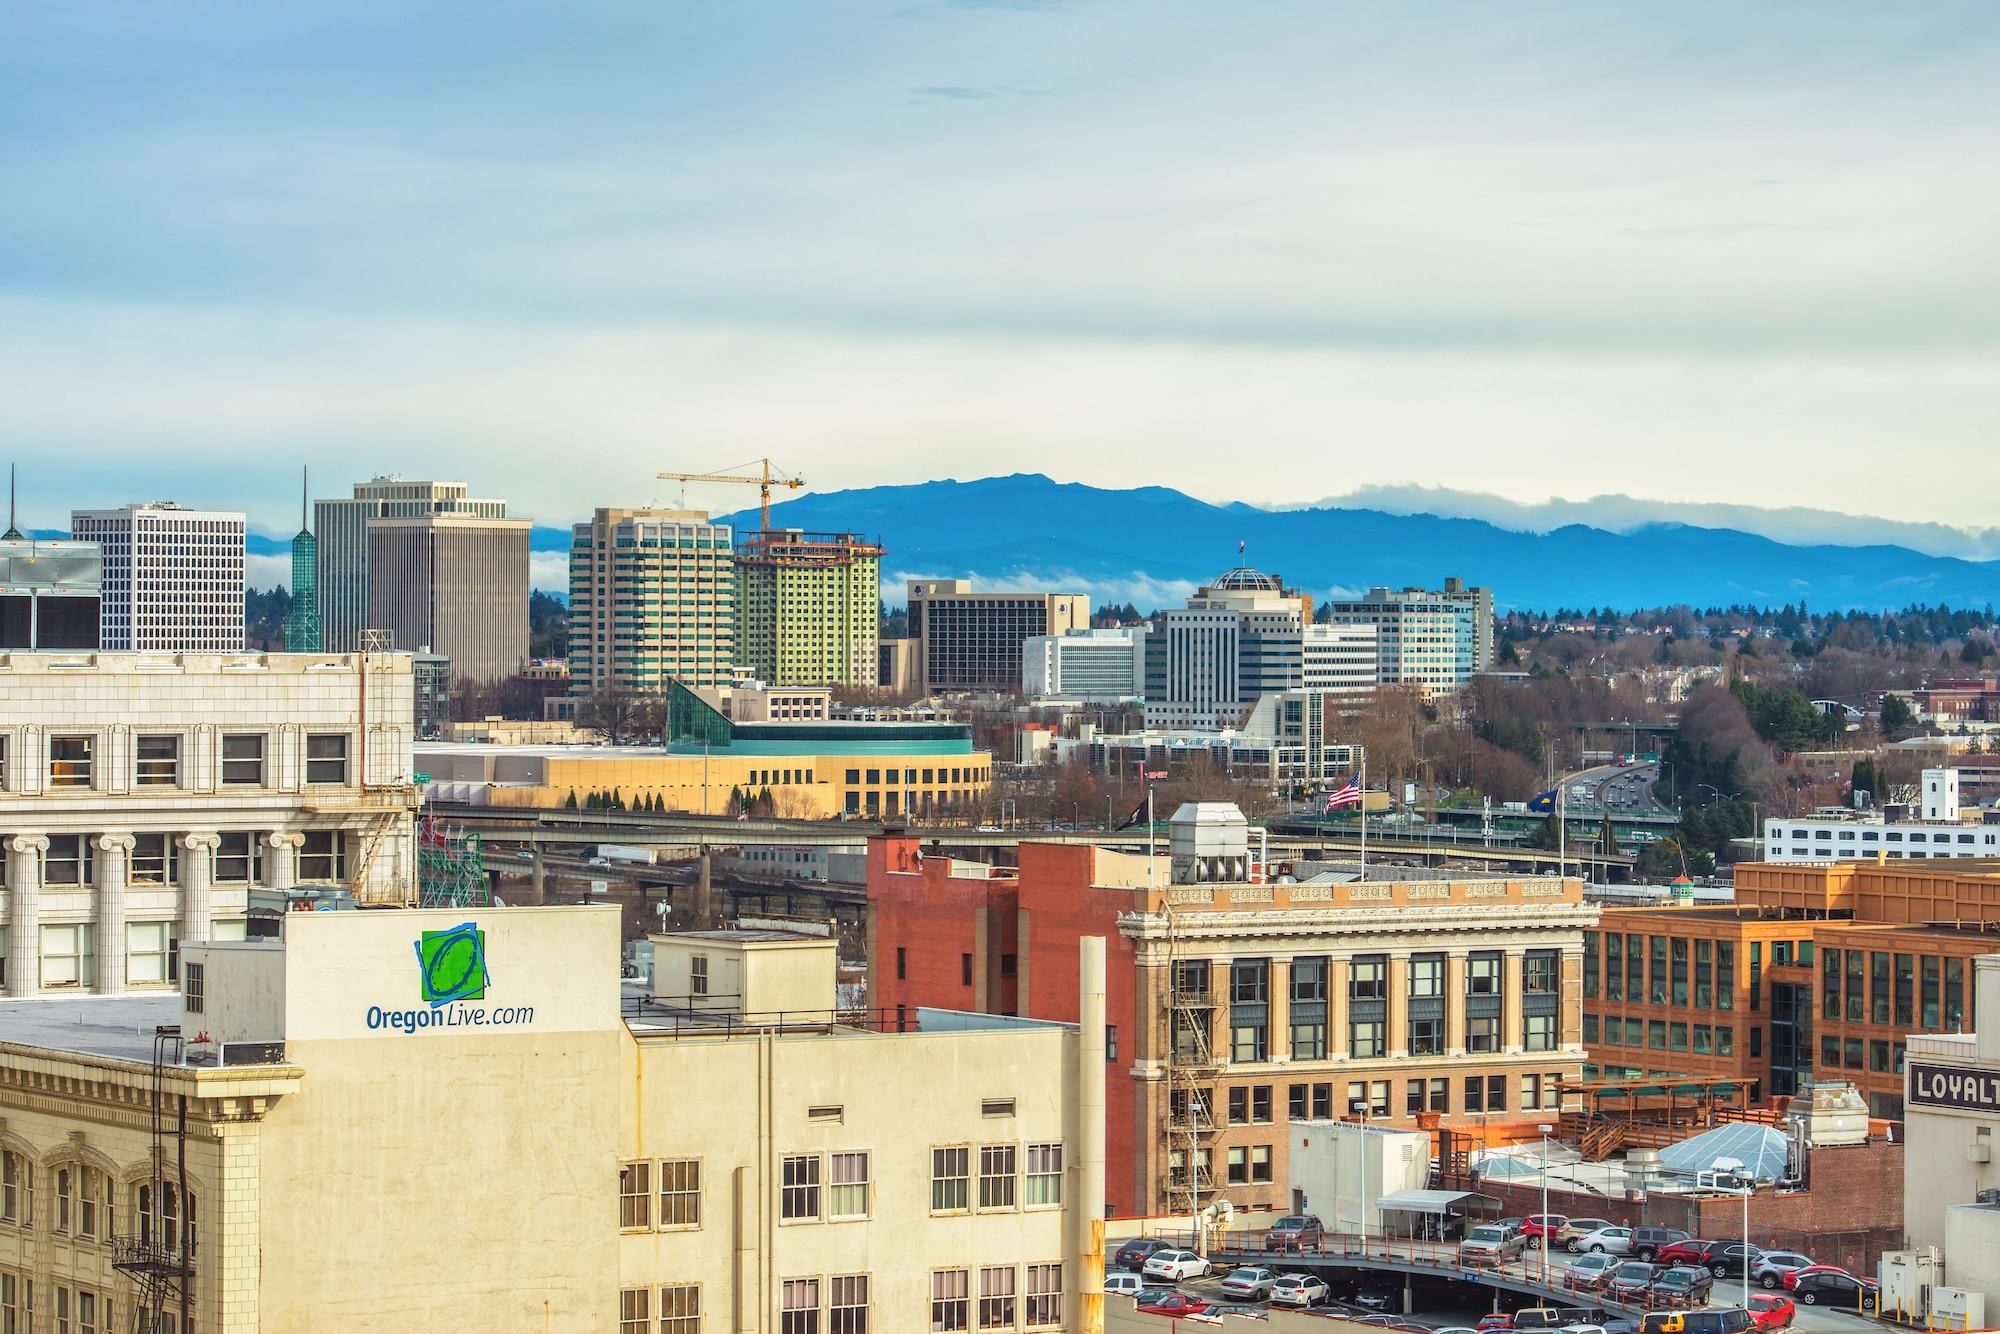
620	852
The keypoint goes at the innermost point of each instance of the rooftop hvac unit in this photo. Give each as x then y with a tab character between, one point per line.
1989	1196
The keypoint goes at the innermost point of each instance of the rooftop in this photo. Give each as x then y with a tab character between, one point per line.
119	1028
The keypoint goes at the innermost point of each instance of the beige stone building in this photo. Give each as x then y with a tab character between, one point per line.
455	584
144	796
652	600
410	1119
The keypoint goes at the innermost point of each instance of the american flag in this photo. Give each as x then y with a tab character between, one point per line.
1349	795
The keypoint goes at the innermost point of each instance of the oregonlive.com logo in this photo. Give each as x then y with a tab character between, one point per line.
451	975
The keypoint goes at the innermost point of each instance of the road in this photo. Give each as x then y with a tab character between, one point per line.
1615	789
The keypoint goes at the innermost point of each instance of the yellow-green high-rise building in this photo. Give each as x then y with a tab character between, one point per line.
808	608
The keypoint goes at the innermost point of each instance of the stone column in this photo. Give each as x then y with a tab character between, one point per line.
1454	1003
197	885
1336	1006
24	916
1569	1029
114	871
1280	1045
1399	1007
284	846
1513	969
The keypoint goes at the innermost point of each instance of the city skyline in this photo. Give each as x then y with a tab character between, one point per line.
1574	255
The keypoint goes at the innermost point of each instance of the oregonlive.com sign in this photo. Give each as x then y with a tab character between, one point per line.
1954	1086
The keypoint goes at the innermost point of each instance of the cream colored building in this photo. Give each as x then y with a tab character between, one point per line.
415	1119
652	599
452	583
142	796
1951	1155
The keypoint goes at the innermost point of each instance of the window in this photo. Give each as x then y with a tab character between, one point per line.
169	1221
1614	967
847	1304
1475	1093
68	955
157	761
965	970
1496	1093
1365	1037
1249	1009
326	757
1656	1034
1482	1033
1044	1176
902	965
1590	1038
155	859
1044	1305
635	1311
996	1297
323	856
847	1193
243	760
1541	973
1239	1105
950	1299
17	1304
799	1196
680	1309
239	858
1541	1032
72	760
1308	1009
1260	1155
680	1192
798	1306
1426	976
1367	978
996	1176
951	1179
145	953
1482	975
698	975
69	860
17	1190
1426	1037
635	1191
1239	1164
191	988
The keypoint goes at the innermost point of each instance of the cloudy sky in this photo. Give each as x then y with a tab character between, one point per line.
1260	251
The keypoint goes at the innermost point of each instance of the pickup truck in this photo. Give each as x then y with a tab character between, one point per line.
1491	1243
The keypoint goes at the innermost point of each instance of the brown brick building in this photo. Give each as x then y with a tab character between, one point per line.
1817	971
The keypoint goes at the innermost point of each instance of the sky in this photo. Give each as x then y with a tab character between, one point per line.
1261	251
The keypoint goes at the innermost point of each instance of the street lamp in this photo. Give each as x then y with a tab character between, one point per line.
1746	1186
1544	1234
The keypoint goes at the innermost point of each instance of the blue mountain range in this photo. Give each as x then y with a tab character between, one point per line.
1151	545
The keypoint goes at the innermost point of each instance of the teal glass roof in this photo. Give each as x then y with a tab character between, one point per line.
694	726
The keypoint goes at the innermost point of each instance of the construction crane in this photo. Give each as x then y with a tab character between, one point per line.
763	481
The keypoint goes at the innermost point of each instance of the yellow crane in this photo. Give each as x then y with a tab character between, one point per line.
763	481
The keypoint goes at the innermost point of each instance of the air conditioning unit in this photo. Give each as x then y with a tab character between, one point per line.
1979	1151
1989	1196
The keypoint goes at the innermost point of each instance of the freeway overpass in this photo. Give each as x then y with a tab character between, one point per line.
558	827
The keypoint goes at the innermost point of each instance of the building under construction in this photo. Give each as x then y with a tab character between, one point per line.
809	608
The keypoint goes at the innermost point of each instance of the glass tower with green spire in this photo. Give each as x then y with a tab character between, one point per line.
302	633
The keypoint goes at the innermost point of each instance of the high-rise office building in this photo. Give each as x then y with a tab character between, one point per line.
1100	666
652	600
1240	637
173	577
302	629
49	593
341	528
972	641
452	583
809	608
1428	639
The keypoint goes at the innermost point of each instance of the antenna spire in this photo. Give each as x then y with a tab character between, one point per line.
305	488
13	533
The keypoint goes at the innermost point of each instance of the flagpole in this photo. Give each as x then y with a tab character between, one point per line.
1562	831
1149	848
1364	813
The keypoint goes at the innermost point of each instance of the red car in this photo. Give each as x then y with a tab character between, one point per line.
1693	1251
1792	1275
1178	1303
1771	1311
1540	1227
1496	1320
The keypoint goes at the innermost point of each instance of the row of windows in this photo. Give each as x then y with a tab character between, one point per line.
158	760
73	1309
1664	970
1884	836
159	858
666	1194
1008	1297
81	1203
1913	991
68	953
1660	1035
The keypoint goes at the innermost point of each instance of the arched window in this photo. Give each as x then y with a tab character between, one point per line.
83	1202
17	1189
164	1227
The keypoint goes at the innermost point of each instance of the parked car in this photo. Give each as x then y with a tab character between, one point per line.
1124	1282
1647	1241
1792	1279
1689	1252
1490	1243
1575	1229
1591	1270
1717	1320
1772	1311
1298	1290
1250	1282
1629	1280
1379	1303
1538	1318
1294	1232
1455	1329
1606	1241
1583	1315
1494	1320
1582	1329
1726	1260
1151	1296
1134	1253
1836	1287
1514	1223
1683	1285
1772	1266
1175	1265
1175	1303
1540	1227
1214	1314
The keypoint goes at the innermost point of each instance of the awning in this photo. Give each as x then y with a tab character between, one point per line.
1436	1201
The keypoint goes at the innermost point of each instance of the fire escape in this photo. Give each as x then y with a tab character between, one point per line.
1193	1072
159	1257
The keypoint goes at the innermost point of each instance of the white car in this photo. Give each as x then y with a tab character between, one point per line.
1249	1282
1298	1290
1606	1241
1125	1282
1175	1265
